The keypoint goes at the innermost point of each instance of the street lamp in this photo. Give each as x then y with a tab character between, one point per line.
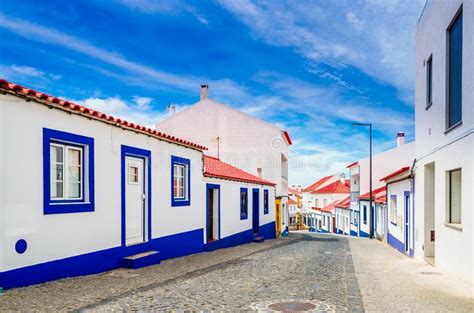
371	225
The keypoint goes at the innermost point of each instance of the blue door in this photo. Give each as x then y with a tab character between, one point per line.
255	210
407	219
372	221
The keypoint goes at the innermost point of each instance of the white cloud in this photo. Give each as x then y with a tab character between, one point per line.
15	72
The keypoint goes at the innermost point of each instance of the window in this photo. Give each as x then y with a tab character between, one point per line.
181	181
454	197
243	203
365	214
393	209
429	82
317	203
132	174
68	172
265	202
454	71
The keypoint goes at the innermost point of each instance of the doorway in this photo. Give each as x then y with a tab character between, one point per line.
135	196
256	210
429	210
212	212
407	221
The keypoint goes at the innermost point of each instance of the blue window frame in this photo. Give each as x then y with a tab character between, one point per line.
68	172
180	181
265	202
455	37
365	214
244	203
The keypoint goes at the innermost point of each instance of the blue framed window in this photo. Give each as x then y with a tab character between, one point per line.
68	172
265	202
365	214
180	181
455	34
244	205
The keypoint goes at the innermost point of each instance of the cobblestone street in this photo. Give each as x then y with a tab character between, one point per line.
307	267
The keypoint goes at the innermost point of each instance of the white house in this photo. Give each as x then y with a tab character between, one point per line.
444	114
343	216
239	139
399	218
382	163
92	193
367	216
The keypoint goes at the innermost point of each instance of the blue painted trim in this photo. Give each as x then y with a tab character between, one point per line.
256	210
365	214
146	156
407	221
216	187
21	246
187	163
171	246
268	231
67	206
363	234
230	241
353	233
394	242
265	201
244	217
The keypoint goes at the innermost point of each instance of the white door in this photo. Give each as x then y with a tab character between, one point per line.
135	200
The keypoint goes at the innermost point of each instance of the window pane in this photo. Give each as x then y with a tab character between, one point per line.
455	197
74	157
455	72
56	154
74	174
74	190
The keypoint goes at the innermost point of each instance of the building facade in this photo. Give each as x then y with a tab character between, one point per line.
444	113
103	193
230	135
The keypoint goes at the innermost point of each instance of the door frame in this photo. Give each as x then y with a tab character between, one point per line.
256	208
128	151
406	221
218	188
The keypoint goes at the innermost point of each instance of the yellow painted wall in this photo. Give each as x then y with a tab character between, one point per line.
278	217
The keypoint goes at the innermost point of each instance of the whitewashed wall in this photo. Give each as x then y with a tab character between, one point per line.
398	189
230	205
59	236
453	248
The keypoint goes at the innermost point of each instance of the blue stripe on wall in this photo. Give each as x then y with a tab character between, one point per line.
394	242
353	233
363	234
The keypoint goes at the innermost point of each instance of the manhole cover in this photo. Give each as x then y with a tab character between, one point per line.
293	305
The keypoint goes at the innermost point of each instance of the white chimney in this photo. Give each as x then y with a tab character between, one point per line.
171	109
343	178
204	91
400	139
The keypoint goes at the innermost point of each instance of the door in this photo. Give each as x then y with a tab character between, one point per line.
256	210
407	219
210	215
135	201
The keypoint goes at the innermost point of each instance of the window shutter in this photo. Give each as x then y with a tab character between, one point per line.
455	72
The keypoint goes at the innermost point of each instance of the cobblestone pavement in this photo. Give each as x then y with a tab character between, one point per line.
323	269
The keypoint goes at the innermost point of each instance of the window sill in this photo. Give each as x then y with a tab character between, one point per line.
68	207
453	127
180	202
454	226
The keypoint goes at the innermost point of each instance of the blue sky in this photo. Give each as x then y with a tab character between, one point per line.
312	67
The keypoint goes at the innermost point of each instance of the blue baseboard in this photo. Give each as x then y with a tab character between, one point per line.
268	230
353	233
100	261
363	234
394	242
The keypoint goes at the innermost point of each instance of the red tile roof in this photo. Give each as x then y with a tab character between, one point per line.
287	137
328	208
352	164
215	168
377	194
336	187
293	191
318	183
397	172
344	203
291	201
30	94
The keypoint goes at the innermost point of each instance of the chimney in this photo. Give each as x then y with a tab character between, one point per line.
204	91
400	139
343	178
259	172
171	109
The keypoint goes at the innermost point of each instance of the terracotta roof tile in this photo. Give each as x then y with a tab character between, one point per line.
215	168
336	187
397	172
40	97
318	183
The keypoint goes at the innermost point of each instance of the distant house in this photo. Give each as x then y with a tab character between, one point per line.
294	206
367	216
239	139
444	119
343	216
382	163
400	216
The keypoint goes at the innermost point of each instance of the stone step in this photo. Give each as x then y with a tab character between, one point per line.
141	260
